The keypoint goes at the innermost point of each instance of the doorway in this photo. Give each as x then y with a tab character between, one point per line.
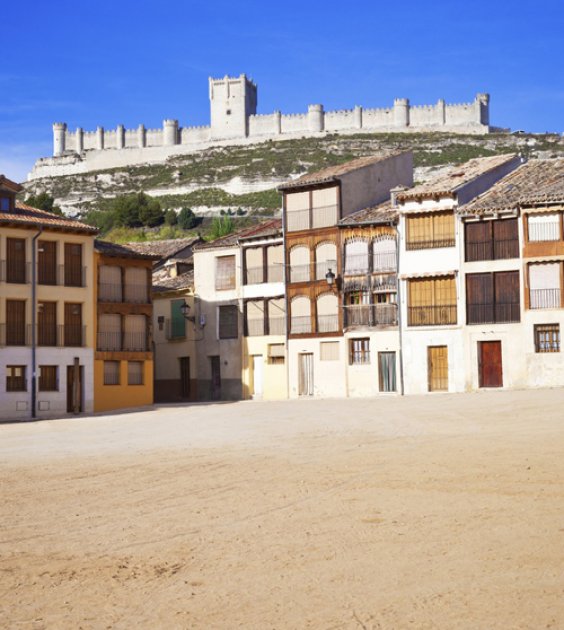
185	377
258	376
437	368
305	374
75	380
387	371
490	369
215	385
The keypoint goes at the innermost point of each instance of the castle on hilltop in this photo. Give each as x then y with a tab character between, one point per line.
234	120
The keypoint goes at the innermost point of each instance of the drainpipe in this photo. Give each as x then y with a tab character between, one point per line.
33	319
398	300
286	303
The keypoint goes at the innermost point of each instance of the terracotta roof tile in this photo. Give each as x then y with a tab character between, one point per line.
382	213
120	250
272	227
165	248
454	178
331	173
26	215
537	181
181	281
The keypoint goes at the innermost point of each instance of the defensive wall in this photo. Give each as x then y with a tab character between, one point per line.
234	120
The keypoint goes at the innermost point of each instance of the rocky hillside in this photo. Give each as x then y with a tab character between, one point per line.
247	176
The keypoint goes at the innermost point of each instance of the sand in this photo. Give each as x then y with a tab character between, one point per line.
442	511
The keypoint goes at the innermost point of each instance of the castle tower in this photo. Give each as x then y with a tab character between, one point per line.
401	112
59	138
232	101
170	132
315	118
483	106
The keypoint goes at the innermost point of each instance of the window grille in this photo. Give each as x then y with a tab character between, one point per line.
224	273
135	372
547	338
228	322
359	351
111	372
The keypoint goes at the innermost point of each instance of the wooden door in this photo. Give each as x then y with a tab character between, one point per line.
15	323
490	368
305	374
47	262
437	368
185	377
215	378
15	263
75	379
47	324
73	324
73	265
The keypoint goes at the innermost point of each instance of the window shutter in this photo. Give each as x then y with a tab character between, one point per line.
228	322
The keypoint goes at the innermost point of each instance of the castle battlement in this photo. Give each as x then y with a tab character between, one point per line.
234	120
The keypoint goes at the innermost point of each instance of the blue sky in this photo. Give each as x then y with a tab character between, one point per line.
92	63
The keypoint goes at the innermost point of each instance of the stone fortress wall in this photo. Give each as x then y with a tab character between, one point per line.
233	120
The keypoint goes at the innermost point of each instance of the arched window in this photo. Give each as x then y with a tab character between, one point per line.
325	259
300	311
356	257
327	313
299	264
384	254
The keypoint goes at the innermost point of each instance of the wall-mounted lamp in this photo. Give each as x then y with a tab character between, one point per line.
185	308
330	277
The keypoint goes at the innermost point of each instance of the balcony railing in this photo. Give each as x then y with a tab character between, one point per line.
299	273
327	323
324	216
498	313
371	315
255	275
384	283
110	292
297	220
15	273
62	335
321	268
71	276
300	325
431	315
276	326
130	293
122	341
430	244
356	265
255	327
545	298
384	262
499	249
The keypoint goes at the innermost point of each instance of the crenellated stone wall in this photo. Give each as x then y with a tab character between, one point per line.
234	120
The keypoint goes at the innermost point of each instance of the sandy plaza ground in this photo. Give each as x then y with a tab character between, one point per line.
442	511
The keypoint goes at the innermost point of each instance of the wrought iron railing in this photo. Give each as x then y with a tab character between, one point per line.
371	315
431	315
493	313
300	273
430	244
122	341
545	298
300	325
255	275
327	323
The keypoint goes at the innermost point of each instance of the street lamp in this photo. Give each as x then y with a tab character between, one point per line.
330	277
185	308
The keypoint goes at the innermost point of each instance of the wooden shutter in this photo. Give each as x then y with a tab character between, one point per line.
479	298
507	296
443	229
47	262
228	322
47	324
73	265
224	272
177	321
15	323
478	241
15	263
73	324
505	239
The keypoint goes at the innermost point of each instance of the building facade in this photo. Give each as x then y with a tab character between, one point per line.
47	311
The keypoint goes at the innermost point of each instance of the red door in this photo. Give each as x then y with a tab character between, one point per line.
489	364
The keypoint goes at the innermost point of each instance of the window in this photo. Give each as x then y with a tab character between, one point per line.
387	371
300	310
47	324
73	324
254	322
136	285
356	257
299	264
544	285
135	333
384	254
327	313
16	267
73	265
426	231
109	283
15	323
325	259
491	240
254	265
324	207
109	335
297	211
135	372
228	322
15	378
359	351
544	227
432	302
224	273
4	204
329	351
48	381
177	324
492	298
547	338
276	353
111	372
276	319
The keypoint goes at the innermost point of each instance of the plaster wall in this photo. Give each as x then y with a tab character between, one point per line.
274	375
122	396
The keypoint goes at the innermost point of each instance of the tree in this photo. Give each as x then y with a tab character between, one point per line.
187	219
221	226
137	210
170	217
43	201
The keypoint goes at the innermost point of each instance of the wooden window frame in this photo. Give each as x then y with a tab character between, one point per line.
551	345
48	380
435	239
112	381
361	354
225	281
16	383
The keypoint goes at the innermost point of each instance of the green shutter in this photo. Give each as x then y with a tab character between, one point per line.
177	321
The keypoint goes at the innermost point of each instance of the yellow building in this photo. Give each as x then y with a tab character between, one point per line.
46	311
123	365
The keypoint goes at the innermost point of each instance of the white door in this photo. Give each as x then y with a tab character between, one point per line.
257	375
305	375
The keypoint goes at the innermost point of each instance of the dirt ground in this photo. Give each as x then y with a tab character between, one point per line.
431	512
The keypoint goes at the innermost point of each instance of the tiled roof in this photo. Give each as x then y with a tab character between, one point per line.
165	248
122	251
331	173
537	181
181	281
454	178
26	215
382	213
272	227
8	183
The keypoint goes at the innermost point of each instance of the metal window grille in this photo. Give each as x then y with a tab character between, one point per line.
547	338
